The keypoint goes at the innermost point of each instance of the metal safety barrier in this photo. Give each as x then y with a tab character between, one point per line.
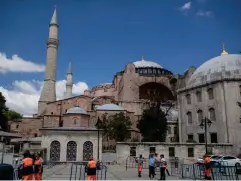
219	171
78	171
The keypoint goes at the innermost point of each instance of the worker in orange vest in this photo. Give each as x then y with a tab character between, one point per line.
27	166
140	162
207	168
38	169
91	169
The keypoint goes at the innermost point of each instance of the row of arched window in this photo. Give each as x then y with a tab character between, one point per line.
199	96
71	151
211	111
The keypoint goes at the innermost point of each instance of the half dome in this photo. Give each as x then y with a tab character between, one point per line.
218	68
76	110
109	107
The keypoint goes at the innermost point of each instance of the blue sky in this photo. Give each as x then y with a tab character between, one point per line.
101	36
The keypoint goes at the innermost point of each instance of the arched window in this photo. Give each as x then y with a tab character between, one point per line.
200	115
210	94
189	117
169	129
71	152
212	115
55	151
188	97
199	96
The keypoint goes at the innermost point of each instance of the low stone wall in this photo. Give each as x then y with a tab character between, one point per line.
180	150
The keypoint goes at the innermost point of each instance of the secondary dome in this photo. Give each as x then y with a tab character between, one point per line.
109	107
226	66
76	110
144	63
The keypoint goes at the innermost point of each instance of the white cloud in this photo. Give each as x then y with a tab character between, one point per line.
186	7
17	64
24	95
204	13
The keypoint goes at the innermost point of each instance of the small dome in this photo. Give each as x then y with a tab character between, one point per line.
109	107
219	68
144	63
76	110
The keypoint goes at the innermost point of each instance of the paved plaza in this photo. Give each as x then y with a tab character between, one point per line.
114	172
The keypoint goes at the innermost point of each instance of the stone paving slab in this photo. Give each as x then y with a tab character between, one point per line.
114	172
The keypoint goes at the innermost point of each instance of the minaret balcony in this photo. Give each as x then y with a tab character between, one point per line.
52	41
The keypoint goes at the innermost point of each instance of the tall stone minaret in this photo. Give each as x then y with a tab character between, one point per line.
48	93
69	82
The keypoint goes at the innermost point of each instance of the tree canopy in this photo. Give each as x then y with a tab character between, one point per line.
6	114
116	127
153	123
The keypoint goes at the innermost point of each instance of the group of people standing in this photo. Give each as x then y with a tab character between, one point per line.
31	167
154	162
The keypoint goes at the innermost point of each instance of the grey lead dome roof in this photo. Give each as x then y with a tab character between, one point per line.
109	107
76	110
144	63
218	68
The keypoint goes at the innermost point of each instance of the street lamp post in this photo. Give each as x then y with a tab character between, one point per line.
98	129
204	124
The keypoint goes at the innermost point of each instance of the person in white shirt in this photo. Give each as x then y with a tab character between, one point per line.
163	168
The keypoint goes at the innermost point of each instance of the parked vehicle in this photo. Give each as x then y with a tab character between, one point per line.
228	160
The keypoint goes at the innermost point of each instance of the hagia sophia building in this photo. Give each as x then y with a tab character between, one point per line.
212	91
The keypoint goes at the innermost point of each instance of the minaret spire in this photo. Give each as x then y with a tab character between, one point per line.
48	93
224	51
69	82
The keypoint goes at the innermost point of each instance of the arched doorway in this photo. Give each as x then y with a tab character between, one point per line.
55	151
87	150
155	91
71	152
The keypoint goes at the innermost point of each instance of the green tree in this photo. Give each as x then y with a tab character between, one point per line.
103	124
12	115
6	114
3	110
119	126
153	123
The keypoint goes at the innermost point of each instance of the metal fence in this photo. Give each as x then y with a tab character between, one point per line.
220	170
78	171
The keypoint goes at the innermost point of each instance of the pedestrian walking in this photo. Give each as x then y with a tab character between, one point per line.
207	168
167	170
26	170
140	162
38	167
151	166
163	168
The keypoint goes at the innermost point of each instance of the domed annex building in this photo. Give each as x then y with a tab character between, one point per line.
212	91
66	128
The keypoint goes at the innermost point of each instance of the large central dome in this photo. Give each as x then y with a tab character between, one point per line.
219	68
145	64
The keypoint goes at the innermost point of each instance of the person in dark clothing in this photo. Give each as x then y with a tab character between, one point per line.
163	168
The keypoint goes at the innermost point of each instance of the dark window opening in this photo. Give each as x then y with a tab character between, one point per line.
35	135
171	151
201	138
190	152
17	126
52	113
190	137
214	137
152	149
133	151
